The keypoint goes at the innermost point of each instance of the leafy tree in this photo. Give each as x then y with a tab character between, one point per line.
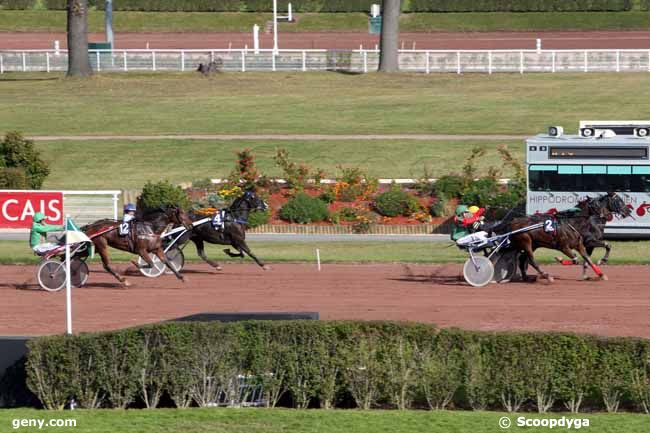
162	193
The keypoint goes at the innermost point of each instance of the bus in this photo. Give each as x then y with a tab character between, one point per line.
564	169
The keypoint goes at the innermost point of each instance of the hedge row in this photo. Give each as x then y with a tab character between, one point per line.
344	5
328	364
519	5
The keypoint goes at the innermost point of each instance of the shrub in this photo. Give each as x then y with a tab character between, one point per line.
482	192
450	186
304	209
396	202
18	152
518	5
328	195
162	193
17	4
258	218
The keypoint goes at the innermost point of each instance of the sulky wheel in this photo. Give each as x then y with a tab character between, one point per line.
479	272
156	271
176	258
51	275
505	266
78	272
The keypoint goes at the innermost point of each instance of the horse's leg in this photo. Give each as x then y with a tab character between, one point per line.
231	254
589	250
528	249
523	266
242	246
608	249
583	252
102	250
200	249
160	253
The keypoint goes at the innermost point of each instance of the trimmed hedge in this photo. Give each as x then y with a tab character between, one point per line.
519	5
367	364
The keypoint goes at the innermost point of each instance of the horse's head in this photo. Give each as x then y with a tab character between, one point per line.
250	201
615	204
178	216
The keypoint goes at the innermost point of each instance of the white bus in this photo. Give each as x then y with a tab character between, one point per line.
564	169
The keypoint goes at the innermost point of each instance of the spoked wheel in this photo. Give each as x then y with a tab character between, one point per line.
78	272
51	275
151	272
176	258
479	272
505	266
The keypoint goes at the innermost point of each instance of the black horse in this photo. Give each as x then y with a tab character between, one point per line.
233	233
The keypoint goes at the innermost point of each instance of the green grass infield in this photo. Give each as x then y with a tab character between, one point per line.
314	421
18	252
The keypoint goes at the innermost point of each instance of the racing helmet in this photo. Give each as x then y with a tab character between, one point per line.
460	210
473	209
38	217
129	207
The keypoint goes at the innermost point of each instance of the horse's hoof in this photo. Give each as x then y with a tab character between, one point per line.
604	277
266	267
218	268
550	279
126	283
585	278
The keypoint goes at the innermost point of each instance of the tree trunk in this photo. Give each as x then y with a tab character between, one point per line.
78	62
389	36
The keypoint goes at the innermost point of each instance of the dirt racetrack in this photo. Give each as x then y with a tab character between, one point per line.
427	293
611	39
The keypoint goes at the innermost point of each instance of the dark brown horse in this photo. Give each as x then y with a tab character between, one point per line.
143	240
566	232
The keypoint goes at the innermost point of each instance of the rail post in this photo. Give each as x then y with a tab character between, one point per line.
521	62
99	67
183	60
2	66
553	62
273	60
243	60
458	62
126	68
153	60
47	61
365	61
115	205
427	65
304	61
24	63
490	62
618	61
586	67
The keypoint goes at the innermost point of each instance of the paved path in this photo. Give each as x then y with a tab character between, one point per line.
283	137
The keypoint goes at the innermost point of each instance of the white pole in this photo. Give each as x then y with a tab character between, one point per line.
290	13
318	258
115	201
256	38
57	48
275	27
68	291
539	46
47	61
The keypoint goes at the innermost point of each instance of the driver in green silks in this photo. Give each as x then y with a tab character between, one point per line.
466	219
39	233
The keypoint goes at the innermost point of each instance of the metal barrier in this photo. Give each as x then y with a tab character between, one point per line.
426	61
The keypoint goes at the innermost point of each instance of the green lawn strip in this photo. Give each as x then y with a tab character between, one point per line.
191	160
314	103
18	252
310	421
133	21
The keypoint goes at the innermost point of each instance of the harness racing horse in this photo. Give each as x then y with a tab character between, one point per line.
597	211
144	238
233	233
564	232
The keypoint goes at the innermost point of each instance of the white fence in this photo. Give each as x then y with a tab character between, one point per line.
427	61
87	206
